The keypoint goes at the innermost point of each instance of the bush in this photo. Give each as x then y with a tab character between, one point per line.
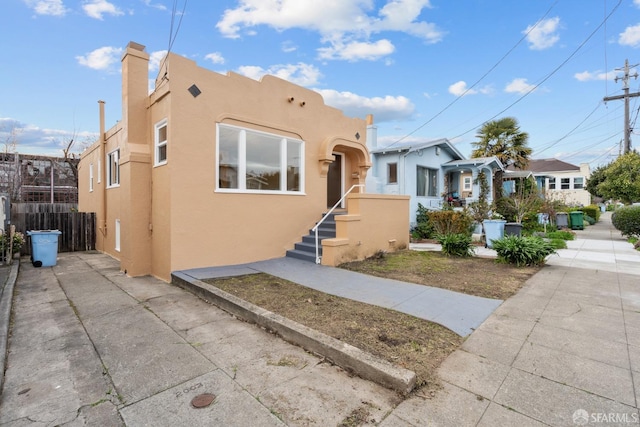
561	234
558	243
451	222
424	227
627	220
522	251
593	211
456	245
589	219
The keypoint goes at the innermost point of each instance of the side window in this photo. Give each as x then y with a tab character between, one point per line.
578	183
565	183
113	168
91	177
161	143
392	173
552	183
467	183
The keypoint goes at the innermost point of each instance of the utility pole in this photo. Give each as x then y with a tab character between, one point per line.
626	96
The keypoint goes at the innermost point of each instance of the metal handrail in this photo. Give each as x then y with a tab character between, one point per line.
315	229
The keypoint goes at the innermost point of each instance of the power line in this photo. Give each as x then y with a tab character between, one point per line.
562	64
479	80
571	131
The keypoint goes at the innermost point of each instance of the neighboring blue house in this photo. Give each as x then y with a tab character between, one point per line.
430	172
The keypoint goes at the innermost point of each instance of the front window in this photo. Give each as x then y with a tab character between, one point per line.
392	173
427	182
552	183
578	183
161	143
565	183
113	171
255	161
91	177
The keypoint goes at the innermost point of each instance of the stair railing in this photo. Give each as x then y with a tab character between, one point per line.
315	229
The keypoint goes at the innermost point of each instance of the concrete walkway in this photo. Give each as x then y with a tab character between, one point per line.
564	351
459	312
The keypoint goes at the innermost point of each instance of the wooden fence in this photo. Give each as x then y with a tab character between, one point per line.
78	228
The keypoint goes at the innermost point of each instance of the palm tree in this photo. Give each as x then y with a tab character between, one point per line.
502	138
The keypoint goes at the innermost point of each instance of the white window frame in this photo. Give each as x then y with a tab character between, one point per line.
565	182
91	178
242	159
99	171
117	235
159	145
113	164
430	186
467	183
551	183
573	183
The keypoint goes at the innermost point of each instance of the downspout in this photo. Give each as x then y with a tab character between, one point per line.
103	171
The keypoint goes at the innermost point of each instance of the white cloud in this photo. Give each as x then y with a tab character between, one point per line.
543	35
155	58
636	2
345	25
32	139
587	76
460	89
101	59
158	6
301	74
289	46
519	86
384	109
356	51
97	8
630	36
215	57
47	7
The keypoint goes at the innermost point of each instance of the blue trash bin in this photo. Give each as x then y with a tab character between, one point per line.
493	230
44	247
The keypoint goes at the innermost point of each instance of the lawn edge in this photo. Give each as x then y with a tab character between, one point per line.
344	355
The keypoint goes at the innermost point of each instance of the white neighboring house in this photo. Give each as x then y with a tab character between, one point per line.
561	180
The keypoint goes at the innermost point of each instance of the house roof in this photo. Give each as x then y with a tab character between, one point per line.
410	147
547	165
517	174
478	161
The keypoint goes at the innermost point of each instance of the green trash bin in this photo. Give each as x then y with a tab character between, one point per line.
577	220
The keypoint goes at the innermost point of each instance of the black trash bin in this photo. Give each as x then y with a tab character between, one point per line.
562	220
513	229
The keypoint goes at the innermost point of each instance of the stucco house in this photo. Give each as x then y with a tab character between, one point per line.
560	180
217	169
431	173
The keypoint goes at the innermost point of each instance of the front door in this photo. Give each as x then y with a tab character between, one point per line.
334	181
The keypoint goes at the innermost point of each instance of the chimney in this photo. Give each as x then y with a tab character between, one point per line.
135	83
372	133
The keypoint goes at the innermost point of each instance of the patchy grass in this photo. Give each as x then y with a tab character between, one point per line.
407	341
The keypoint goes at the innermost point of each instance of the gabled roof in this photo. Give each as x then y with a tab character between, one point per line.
478	161
410	147
547	165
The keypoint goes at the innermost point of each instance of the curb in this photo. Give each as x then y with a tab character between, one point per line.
6	299
344	355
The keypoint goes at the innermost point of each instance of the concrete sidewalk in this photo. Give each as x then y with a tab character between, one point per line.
564	351
90	346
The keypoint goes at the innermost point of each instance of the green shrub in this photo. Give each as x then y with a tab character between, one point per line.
522	251
589	219
560	234
627	220
593	211
558	243
456	244
451	222
424	228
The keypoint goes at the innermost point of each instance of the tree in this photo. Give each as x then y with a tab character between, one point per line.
504	139
597	177
622	179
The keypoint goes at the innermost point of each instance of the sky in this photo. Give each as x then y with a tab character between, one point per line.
425	69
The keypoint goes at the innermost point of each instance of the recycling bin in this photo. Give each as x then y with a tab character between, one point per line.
562	220
577	220
493	230
44	247
543	218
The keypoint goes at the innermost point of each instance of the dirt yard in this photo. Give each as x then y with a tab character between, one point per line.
415	344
